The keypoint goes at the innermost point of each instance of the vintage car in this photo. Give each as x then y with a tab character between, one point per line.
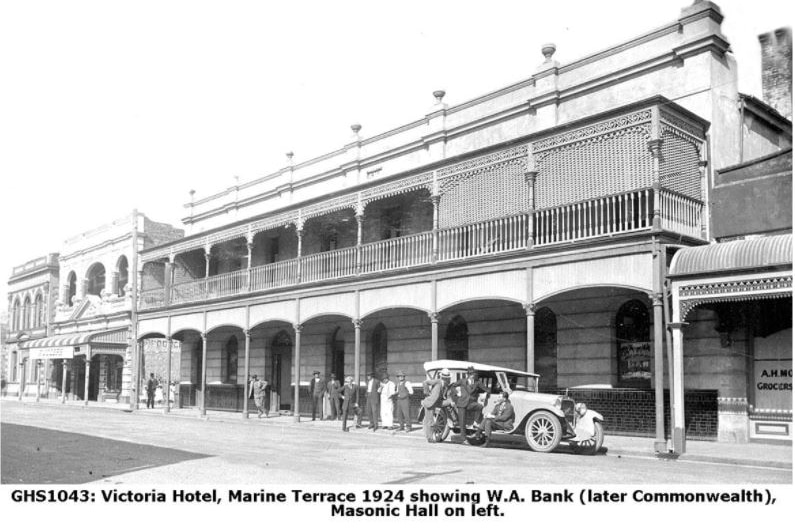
544	419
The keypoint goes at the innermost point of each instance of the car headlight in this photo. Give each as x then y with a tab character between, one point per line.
580	408
559	402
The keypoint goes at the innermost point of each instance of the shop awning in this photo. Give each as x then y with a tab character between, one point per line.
63	345
734	256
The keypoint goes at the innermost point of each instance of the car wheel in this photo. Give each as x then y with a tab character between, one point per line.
591	446
543	431
441	425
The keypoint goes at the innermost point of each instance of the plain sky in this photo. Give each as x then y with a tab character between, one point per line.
107	106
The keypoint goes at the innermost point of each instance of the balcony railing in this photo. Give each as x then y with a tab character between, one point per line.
621	213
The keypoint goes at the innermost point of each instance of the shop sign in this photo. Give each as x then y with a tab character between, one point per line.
773	384
51	353
634	361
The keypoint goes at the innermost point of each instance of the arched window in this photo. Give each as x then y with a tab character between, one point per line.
96	279
546	347
14	368
16	316
379	351
456	339
633	345
71	292
123	275
27	313
230	361
38	312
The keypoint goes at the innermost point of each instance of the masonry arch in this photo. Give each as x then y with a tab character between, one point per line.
96	279
122	275
71	288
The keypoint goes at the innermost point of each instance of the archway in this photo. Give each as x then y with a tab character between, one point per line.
546	348
96	279
456	339
122	274
71	290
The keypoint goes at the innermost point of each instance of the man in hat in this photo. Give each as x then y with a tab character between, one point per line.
404	391
317	389
259	389
466	399
151	387
348	404
388	390
333	389
436	390
501	418
372	404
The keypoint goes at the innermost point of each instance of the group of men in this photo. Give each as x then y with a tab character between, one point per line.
463	396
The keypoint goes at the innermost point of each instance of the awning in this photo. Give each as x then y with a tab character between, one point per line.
734	256
63	345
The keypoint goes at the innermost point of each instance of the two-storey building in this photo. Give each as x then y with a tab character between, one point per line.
531	227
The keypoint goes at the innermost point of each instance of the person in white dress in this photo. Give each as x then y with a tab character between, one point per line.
388	390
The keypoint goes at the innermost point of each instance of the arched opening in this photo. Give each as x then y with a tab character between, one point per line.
26	314
16	316
633	345
336	351
546	348
456	339
96	279
229	361
122	270
71	291
281	367
378	349
39	314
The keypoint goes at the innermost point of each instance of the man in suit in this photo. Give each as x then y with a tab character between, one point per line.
317	389
436	390
466	399
404	391
333	389
348	404
372	402
501	418
151	386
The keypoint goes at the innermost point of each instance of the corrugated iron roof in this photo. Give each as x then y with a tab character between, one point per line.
763	252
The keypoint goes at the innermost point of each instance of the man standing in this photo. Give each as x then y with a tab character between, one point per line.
372	401
151	387
348	396
259	390
317	389
466	399
500	419
333	389
436	390
404	390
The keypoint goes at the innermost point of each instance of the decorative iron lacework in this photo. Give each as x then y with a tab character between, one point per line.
596	166
483	162
273	222
412	183
696	133
679	170
762	288
329	206
597	129
489	192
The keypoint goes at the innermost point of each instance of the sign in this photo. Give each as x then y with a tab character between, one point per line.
51	353
773	384
634	362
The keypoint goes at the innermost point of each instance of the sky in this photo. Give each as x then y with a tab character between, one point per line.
107	106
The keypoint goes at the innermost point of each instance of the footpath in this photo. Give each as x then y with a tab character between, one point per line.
758	454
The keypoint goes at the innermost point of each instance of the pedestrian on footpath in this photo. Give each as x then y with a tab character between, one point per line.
372	402
151	386
388	390
259	390
333	389
348	406
317	389
437	395
404	391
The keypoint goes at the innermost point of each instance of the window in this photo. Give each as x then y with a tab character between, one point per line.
456	339
230	361
27	314
96	279
633	345
123	271
38	311
379	352
71	291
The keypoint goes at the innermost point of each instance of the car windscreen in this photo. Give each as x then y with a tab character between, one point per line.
524	382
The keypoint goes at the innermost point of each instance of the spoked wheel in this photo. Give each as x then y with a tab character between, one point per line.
477	440
543	431
441	425
591	446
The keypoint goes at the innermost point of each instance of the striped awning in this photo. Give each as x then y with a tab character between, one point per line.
106	336
734	256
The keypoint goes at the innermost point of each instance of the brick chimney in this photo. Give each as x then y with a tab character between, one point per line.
777	70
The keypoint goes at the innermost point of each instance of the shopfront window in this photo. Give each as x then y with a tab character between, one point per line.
633	345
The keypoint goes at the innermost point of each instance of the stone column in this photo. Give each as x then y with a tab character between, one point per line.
659	392
297	366
87	378
357	354
21	378
530	312
677	384
63	382
38	380
247	371
434	317
203	405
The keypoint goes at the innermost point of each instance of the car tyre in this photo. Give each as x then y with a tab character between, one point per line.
441	425
543	431
591	446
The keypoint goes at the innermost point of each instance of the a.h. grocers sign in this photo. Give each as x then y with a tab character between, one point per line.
50	353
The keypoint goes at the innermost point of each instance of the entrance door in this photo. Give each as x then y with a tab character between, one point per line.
93	382
338	355
281	362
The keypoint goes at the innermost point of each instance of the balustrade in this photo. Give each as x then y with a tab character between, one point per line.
481	238
274	275
680	214
400	252
328	265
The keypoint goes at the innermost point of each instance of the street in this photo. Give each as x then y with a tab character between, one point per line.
52	444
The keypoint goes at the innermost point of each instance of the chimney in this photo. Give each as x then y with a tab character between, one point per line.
777	70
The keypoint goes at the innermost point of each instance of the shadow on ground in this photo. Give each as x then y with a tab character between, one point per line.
41	456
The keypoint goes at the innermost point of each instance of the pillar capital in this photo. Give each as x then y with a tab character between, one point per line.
656	299
529	309
203	335
436	198
247	333
677	325
530	176
655	146
357	323
434	317
298	327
